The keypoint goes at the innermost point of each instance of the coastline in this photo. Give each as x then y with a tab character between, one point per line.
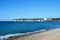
53	34
17	35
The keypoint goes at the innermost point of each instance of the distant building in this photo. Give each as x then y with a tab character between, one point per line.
36	19
29	19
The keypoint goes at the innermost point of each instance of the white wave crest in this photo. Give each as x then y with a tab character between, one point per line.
19	34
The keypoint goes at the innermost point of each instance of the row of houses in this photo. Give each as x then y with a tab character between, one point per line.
36	19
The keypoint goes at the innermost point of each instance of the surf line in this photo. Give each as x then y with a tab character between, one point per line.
19	34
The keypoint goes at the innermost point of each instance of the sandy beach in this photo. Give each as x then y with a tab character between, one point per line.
47	35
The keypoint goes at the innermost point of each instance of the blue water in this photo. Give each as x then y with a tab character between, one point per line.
10	27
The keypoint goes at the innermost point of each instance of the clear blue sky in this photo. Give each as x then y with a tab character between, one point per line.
11	9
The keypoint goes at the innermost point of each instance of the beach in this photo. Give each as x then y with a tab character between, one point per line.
53	34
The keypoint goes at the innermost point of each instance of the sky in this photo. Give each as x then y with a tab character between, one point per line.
13	9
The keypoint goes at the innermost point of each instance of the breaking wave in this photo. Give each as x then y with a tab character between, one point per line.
19	34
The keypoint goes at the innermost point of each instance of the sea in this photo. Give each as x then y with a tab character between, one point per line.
9	28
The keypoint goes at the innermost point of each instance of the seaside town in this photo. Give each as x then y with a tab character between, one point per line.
36	19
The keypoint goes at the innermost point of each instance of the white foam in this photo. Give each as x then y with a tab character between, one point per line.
18	34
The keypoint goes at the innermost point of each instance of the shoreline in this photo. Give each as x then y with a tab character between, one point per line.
13	36
53	34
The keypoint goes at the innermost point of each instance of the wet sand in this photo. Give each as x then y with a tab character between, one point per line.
47	35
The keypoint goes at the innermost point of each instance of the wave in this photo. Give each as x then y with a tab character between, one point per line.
19	34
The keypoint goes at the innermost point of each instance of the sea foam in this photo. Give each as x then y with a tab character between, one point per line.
19	34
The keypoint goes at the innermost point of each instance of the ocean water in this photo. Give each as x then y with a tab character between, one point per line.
10	27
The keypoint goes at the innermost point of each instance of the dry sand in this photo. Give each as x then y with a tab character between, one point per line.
48	35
